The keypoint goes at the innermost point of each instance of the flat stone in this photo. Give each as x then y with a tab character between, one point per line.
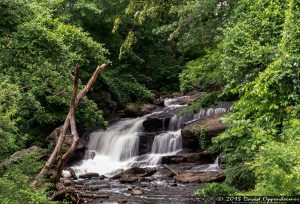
203	177
128	179
89	175
136	191
202	157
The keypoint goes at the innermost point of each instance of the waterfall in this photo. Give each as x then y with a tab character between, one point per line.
168	142
118	147
176	122
123	135
113	148
206	167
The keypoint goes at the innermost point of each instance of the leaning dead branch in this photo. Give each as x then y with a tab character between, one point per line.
69	121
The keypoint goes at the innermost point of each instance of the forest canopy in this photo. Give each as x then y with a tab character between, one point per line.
243	50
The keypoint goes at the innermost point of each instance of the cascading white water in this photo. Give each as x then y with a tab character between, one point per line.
123	135
207	167
177	121
168	142
118	146
165	144
112	149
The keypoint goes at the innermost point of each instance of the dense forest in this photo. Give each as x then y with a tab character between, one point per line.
233	50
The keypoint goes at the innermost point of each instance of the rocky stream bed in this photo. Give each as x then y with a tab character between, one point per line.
153	157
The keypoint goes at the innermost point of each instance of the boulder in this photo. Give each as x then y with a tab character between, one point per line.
203	177
129	179
175	95
139	109
136	172
19	156
211	126
68	139
159	101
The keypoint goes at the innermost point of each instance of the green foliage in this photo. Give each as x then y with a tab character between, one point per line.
202	74
126	88
262	118
10	97
277	169
207	100
202	138
250	39
216	189
15	183
38	54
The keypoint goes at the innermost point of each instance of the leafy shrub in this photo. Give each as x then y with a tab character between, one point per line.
15	183
277	169
216	189
202	74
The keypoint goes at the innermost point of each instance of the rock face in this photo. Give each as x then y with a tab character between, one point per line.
145	142
153	124
210	125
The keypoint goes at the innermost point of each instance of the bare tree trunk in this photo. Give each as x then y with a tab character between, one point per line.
68	154
71	116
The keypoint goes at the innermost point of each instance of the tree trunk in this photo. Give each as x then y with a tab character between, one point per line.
69	119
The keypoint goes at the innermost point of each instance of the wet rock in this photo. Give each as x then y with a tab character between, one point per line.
208	176
138	109
145	142
202	157
122	201
136	172
89	175
159	101
129	179
136	191
72	173
173	184
153	124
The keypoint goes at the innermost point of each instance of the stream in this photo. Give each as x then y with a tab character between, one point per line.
145	142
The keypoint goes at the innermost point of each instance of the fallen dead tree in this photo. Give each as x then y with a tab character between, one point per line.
76	194
56	156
